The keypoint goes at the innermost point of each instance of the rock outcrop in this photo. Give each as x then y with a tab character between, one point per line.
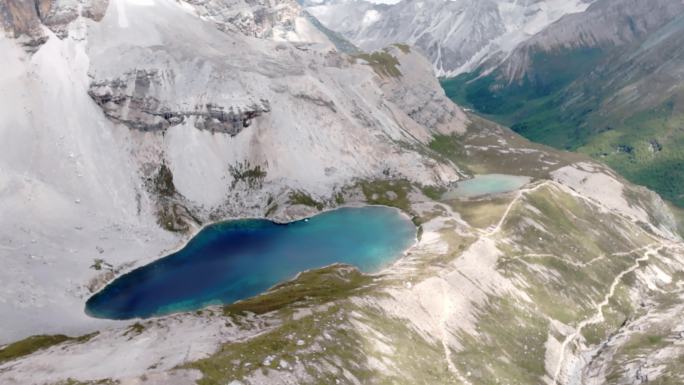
280	20
131	100
255	18
605	24
20	19
25	19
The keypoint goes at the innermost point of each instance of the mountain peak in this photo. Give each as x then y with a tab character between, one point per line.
457	36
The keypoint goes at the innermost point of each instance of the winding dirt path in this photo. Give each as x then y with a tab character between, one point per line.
598	316
649	250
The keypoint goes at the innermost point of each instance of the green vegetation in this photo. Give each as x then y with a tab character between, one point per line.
135	329
562	102
405	48
480	149
302	198
85	337
393	193
272	209
320	285
450	147
253	176
171	216
99	264
328	343
33	344
339	198
300	340
581	262
648	149
433	192
481	213
162	182
170	213
616	314
644	342
513	350
383	63
531	106
30	345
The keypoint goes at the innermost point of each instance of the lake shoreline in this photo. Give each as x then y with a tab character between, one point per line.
365	252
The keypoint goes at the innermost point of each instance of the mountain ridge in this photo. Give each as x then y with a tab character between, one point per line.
457	36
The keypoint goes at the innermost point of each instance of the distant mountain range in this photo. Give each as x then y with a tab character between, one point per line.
608	82
457	36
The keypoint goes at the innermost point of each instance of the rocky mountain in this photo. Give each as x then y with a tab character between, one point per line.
607	82
457	36
189	123
124	135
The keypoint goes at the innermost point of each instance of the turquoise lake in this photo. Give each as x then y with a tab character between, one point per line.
234	260
486	184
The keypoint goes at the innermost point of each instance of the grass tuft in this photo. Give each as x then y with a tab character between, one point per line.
302	198
320	285
392	193
33	344
383	63
253	176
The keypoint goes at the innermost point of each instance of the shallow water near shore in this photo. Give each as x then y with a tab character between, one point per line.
486	184
234	260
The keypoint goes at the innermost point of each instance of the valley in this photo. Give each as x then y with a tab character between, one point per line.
592	84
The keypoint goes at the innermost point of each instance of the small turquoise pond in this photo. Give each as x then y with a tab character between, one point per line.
234	260
486	184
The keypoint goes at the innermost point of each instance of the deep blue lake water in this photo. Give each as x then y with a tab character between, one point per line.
238	259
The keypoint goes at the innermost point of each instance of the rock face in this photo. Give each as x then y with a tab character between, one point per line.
457	36
424	102
20	19
25	18
57	14
256	18
280	20
615	23
640	64
134	101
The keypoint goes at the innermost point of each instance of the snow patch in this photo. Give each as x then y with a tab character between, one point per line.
370	17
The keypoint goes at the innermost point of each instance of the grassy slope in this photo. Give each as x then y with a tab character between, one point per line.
533	107
30	345
561	107
33	344
648	148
